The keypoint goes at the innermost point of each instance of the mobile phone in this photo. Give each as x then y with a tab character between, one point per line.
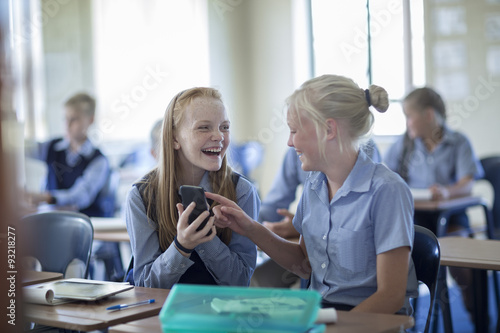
189	194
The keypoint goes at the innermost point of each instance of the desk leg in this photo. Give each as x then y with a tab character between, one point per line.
481	315
443	300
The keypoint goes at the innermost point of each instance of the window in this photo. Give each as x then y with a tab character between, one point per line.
145	52
368	41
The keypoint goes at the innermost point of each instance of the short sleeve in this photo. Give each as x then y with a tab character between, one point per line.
392	214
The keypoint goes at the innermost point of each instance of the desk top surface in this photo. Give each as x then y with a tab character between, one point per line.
89	316
470	253
34	277
348	322
435	205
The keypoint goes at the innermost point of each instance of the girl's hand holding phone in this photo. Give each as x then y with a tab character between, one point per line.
229	214
187	235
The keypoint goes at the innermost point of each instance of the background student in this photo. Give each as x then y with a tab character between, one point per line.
77	176
354	216
167	250
432	156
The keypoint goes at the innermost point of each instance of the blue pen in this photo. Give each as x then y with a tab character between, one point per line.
124	306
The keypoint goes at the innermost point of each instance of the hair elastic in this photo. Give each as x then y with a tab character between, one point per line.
368	98
180	247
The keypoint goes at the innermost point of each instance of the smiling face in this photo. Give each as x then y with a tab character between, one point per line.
304	139
202	136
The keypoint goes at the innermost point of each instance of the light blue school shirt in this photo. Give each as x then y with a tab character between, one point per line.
370	214
290	177
452	159
229	265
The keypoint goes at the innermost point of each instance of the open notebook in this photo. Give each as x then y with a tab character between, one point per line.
66	290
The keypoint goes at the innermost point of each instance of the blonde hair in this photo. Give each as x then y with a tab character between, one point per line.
82	103
340	98
161	184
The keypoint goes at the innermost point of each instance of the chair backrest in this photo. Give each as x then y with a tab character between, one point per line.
56	238
129	274
426	255
491	166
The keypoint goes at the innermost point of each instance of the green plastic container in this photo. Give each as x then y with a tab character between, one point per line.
220	309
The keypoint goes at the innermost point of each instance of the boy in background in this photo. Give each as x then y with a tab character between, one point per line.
77	174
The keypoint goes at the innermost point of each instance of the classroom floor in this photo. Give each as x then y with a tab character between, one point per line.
460	316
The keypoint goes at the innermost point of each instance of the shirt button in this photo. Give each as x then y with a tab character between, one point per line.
202	251
183	265
323	265
324	236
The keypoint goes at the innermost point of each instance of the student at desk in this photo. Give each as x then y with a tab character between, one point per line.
166	249
430	155
354	216
78	173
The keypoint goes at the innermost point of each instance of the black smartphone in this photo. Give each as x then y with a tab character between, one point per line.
189	194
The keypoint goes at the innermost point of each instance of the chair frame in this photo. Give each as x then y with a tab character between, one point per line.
427	272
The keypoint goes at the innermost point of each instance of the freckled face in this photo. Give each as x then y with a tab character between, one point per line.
203	136
304	139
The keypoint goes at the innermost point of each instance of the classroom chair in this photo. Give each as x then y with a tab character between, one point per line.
491	166
129	274
426	256
57	238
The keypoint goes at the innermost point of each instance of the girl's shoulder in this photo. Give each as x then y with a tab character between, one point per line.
242	183
383	177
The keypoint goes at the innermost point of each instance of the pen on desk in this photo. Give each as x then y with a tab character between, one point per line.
124	306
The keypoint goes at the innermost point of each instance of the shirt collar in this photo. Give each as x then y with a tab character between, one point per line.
358	180
85	150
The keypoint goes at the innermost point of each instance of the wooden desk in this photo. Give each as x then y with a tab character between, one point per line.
34	277
110	229
90	316
480	255
348	322
112	236
450	206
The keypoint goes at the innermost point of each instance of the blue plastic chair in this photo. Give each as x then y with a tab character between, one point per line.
426	257
56	238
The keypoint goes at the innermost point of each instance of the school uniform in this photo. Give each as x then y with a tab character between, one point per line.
452	159
76	177
291	176
370	214
79	178
212	262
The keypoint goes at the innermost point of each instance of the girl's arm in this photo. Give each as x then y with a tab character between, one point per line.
289	255
461	188
392	276
152	268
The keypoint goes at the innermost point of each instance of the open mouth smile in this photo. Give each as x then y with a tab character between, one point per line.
212	151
